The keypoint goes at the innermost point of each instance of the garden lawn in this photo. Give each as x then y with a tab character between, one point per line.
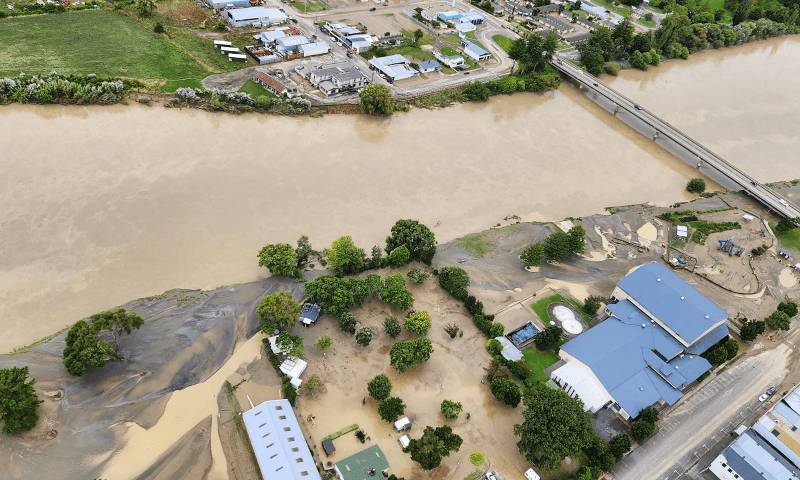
790	239
540	307
503	42
476	243
538	361
255	90
313	6
91	41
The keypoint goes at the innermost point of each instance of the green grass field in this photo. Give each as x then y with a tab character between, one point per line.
91	41
539	361
255	90
476	243
503	42
790	239
313	6
540	307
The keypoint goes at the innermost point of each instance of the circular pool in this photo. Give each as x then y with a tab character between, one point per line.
566	317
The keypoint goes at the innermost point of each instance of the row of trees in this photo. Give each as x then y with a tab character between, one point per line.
778	320
54	88
409	240
557	247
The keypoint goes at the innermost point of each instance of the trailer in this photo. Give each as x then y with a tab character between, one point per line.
222	43
237	57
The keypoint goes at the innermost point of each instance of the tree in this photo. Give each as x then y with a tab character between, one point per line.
785	225
279	258
455	281
404	356
418	323
117	321
419	239
418	36
376	99
347	322
344	257
399	256
789	308
418	276
577	239
592	304
532	255
303	251
779	321
379	387
592	58
533	51
450	409
335	295
505	390
390	409
278	310
395	292
560	246
619	445
696	185
496	330
716	355
598	455
290	344
554	426
732	348
434	445
639	61
391	326
364	336
18	400
324	342
548	338
644	425
752	329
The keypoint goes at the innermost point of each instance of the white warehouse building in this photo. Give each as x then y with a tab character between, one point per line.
256	16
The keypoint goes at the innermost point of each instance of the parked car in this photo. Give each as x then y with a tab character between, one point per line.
763	397
771	390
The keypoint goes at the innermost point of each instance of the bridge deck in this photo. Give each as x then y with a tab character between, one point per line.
705	157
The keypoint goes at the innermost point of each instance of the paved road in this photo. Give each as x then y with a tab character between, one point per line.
700	426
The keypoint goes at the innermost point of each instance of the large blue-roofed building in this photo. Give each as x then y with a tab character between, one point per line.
648	349
769	450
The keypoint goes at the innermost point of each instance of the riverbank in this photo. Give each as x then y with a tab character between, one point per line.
152	412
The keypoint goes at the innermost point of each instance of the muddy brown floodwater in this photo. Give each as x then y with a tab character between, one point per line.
104	204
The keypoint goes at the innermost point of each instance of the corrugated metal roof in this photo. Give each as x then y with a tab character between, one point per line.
278	443
256	12
672	301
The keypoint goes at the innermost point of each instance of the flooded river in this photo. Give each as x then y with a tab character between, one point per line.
105	204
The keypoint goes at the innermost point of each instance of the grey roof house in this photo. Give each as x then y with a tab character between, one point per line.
648	349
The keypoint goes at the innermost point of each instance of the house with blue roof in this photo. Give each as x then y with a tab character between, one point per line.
769	450
647	351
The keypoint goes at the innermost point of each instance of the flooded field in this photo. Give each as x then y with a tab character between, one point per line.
102	205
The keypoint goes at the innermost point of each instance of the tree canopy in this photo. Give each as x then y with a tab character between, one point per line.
344	257
533	51
364	335
278	310
560	246
696	185
395	293
390	409
409	354
450	409
418	323
419	239
455	281
532	255
18	400
549	337
379	387
505	390
279	259
391	326
779	320
84	347
434	445
752	329
376	99
399	256
555	426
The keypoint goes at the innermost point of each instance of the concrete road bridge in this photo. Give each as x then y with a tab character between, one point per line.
675	140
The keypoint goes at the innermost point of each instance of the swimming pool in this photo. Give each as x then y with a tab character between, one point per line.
523	334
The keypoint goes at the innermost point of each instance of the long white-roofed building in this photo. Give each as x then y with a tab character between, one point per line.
278	443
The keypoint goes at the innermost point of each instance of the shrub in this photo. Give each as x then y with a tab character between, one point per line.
496	330
494	347
473	305
592	304
752	329
364	336
476	92
395	293
158	28
696	185
392	327
785	225
476	458
506	391
379	387
18	400
344	257
391	409
418	323
324	342
289	392
452	330
347	322
519	369
399	256
611	68
455	281
619	445
418	276
450	409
